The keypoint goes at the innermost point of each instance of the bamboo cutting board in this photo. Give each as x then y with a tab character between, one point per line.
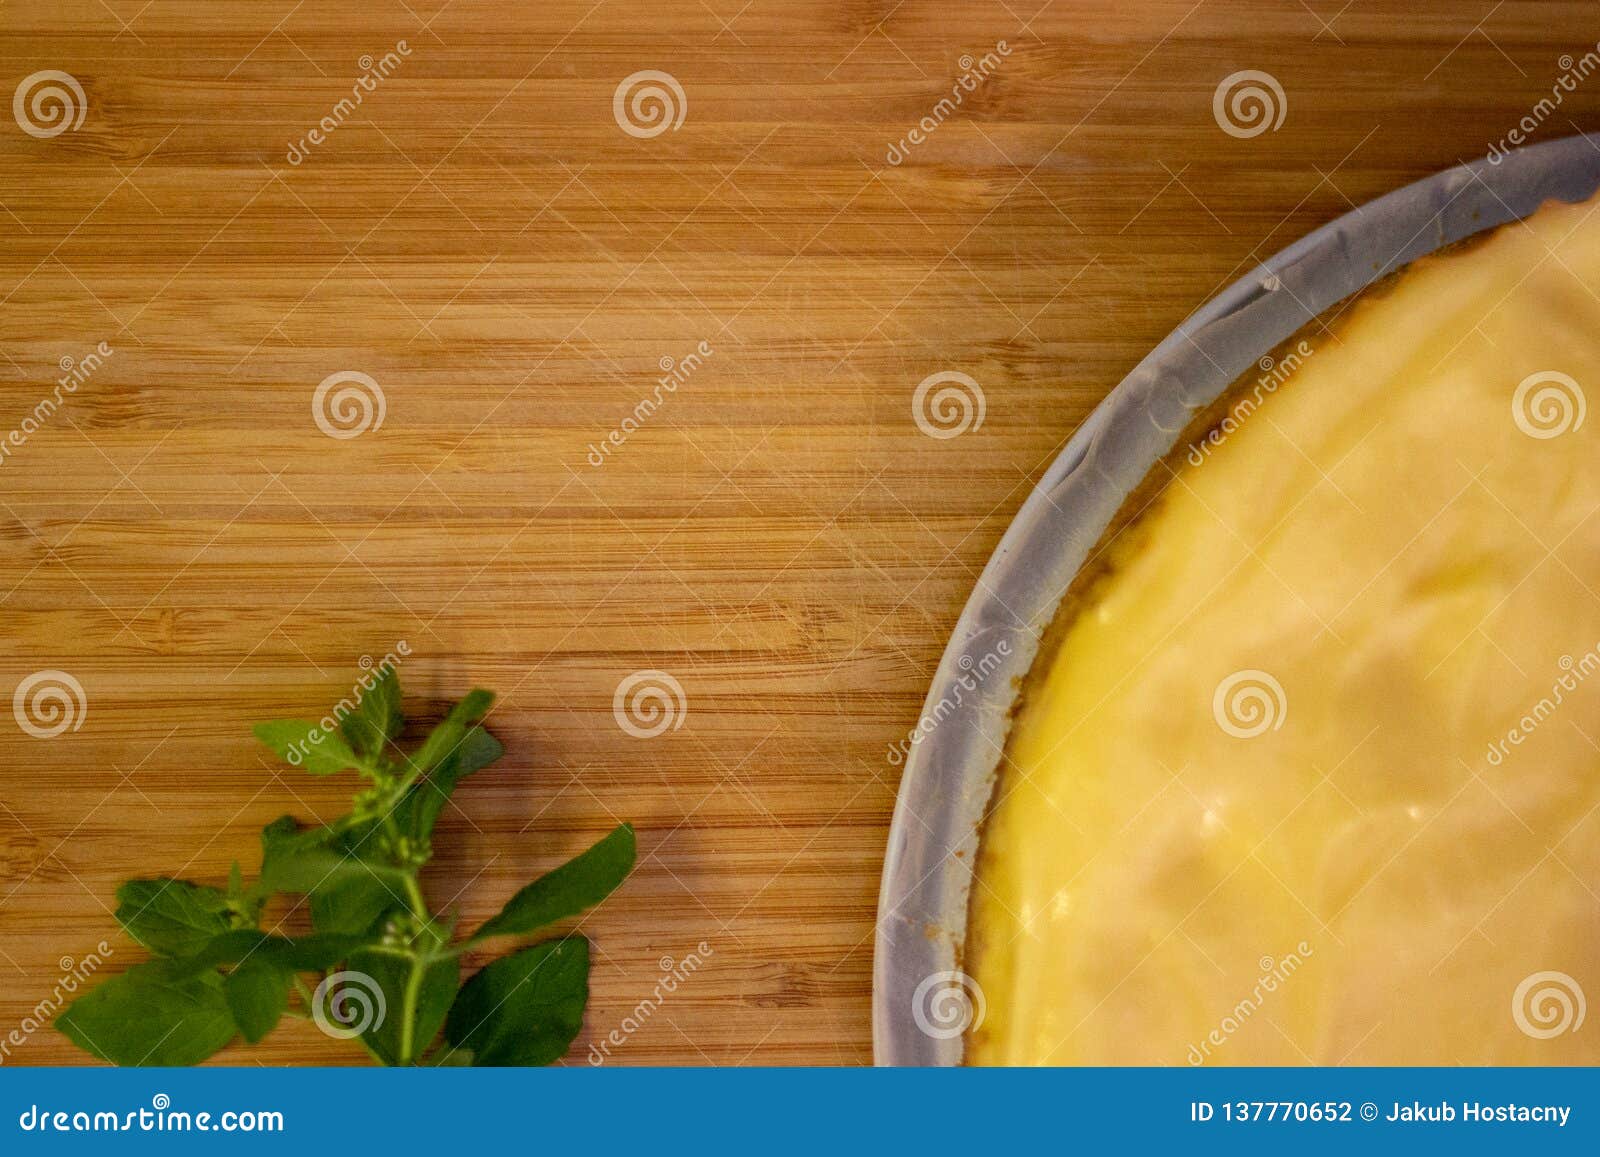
515	262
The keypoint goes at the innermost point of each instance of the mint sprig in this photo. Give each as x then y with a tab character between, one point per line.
377	965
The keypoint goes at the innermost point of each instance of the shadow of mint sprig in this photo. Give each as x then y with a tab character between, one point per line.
377	966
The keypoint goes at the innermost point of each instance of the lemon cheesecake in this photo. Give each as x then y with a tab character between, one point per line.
1309	773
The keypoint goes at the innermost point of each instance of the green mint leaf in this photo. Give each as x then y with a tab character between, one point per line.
351	903
524	1009
447	737
293	860
348	885
420	809
377	718
307	746
241	946
219	975
416	992
579	883
279	829
149	1016
172	917
257	993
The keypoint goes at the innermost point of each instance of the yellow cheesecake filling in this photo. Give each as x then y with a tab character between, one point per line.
1311	773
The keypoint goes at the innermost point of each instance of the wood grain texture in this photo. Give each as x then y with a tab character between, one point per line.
482	239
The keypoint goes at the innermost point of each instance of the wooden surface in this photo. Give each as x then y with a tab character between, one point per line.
483	239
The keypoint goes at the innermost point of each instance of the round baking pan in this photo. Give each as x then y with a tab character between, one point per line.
950	772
